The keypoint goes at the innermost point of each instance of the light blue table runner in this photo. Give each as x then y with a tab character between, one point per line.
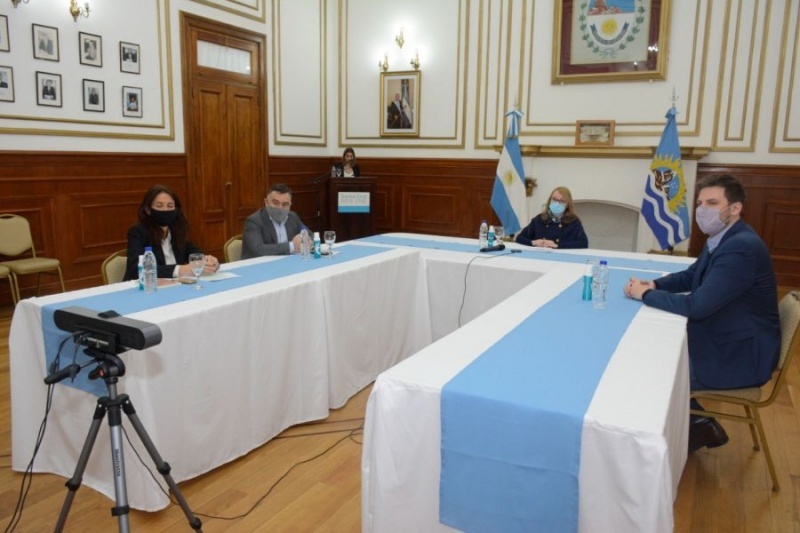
649	263
133	300
512	419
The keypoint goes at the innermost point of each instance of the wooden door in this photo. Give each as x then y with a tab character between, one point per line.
225	127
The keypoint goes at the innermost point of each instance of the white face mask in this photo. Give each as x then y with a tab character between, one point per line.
708	220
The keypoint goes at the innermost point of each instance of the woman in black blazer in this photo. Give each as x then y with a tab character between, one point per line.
163	226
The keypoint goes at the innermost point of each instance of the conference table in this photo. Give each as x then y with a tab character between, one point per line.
238	365
634	434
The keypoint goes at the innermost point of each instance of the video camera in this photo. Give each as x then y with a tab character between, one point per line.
107	331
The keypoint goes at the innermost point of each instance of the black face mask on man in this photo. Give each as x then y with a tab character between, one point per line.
163	218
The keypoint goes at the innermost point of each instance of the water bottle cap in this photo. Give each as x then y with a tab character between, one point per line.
603	262
316	235
491	228
141	259
148	249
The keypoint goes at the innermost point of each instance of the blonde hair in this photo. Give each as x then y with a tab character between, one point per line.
569	214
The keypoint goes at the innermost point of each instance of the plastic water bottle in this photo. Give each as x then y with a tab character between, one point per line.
588	274
483	235
305	244
141	272
333	171
600	285
490	236
317	250
150	270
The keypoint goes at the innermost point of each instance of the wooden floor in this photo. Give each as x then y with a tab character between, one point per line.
722	490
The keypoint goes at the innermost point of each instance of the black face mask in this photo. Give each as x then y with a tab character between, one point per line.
163	218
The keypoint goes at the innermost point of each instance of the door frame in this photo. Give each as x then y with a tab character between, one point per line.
189	69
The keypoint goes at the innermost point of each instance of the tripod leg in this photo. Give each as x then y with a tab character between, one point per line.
74	482
121	509
161	465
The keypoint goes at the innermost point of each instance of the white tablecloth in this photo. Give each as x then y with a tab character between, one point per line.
233	370
634	437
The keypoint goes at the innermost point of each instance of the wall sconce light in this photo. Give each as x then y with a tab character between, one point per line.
384	65
399	39
18	2
415	60
77	11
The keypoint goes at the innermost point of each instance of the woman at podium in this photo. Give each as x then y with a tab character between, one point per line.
348	167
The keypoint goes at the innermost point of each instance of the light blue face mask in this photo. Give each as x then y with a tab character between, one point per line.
557	208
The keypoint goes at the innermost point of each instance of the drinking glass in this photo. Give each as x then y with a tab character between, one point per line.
330	238
198	263
499	233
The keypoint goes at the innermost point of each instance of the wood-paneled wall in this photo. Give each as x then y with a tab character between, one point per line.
81	205
772	208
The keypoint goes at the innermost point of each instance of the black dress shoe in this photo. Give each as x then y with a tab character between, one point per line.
705	431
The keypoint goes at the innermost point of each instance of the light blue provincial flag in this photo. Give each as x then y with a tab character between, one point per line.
508	195
664	202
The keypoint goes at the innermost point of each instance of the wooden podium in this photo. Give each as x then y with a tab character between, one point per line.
350	207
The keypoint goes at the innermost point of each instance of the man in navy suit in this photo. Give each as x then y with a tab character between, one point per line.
729	296
273	229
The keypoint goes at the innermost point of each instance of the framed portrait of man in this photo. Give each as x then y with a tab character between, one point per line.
132	102
6	84
94	96
400	104
90	49
129	58
48	89
45	42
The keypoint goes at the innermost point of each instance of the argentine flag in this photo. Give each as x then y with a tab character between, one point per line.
508	195
664	202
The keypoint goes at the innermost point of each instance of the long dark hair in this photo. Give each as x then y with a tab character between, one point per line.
179	229
349	151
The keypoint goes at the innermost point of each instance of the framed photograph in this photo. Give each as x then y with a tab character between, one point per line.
132	102
400	104
5	45
90	49
129	58
48	89
599	41
45	42
94	96
6	84
594	133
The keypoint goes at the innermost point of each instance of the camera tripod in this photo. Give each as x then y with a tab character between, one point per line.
110	368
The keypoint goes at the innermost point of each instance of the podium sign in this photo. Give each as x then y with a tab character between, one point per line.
349	211
353	202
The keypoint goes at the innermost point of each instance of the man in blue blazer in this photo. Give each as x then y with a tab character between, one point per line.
729	296
273	229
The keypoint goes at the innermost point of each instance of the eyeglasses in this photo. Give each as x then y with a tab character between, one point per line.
559	201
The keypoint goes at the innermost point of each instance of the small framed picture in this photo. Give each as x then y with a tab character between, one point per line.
594	133
132	102
5	44
45	42
48	89
129	55
90	49
6	84
400	107
94	96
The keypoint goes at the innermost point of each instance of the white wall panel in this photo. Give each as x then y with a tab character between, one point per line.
299	72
